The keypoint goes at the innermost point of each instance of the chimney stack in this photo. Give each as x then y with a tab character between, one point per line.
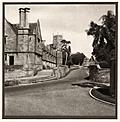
23	20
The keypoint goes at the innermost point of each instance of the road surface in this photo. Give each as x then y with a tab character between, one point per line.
55	98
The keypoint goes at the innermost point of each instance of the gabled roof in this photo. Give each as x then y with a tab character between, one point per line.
39	30
33	27
12	26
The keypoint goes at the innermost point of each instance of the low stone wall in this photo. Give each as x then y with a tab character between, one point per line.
19	73
19	76
60	71
12	67
103	76
99	75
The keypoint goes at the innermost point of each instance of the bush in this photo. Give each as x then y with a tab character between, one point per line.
104	64
77	58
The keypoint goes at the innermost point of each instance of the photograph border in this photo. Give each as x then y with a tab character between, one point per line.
56	117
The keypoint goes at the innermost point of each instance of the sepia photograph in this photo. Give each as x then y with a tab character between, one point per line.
59	60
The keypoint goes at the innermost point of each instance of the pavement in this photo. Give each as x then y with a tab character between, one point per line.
56	98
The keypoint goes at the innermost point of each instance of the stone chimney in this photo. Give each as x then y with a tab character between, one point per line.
23	17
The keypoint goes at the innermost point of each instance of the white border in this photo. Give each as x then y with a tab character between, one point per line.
54	120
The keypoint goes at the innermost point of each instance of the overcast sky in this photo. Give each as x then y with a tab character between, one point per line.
69	20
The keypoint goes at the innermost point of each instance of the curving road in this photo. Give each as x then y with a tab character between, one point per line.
55	98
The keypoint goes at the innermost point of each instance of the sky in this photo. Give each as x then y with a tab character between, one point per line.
69	20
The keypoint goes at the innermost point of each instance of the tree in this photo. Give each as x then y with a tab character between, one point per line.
104	37
104	45
77	58
65	51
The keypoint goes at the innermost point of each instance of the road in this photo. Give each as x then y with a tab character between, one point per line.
55	98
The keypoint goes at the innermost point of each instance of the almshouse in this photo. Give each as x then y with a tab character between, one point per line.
24	47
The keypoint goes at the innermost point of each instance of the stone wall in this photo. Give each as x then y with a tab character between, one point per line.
99	75
23	41
18	58
60	71
32	43
103	76
38	62
50	57
59	58
38	46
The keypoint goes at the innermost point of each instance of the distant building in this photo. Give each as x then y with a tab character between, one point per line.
24	47
57	41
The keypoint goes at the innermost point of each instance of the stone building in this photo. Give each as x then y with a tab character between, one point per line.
57	41
24	47
57	46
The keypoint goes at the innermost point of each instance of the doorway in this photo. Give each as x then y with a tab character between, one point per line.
11	60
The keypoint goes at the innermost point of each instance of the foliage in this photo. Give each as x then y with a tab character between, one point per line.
104	37
65	51
77	58
65	42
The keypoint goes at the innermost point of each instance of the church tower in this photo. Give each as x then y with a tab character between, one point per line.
57	41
